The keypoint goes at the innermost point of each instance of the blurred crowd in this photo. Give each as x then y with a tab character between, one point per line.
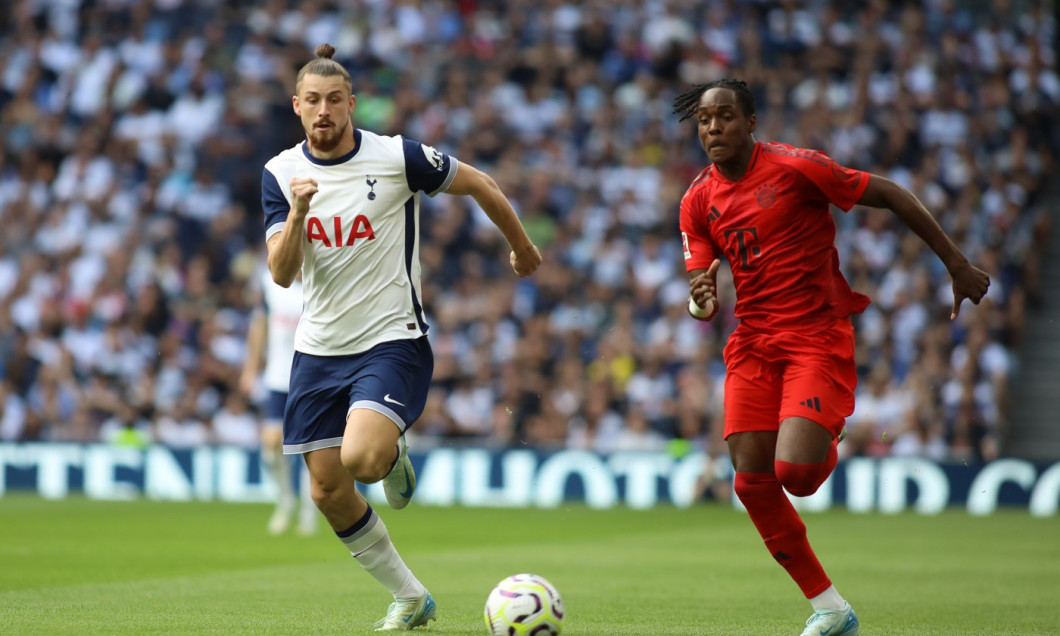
134	135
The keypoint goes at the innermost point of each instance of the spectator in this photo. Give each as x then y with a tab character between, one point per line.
129	195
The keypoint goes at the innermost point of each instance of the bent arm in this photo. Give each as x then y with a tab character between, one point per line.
884	193
485	191
285	250
968	281
703	292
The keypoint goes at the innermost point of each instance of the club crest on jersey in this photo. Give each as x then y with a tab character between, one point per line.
371	187
317	230
766	195
433	156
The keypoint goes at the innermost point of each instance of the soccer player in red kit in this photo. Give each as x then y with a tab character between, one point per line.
790	375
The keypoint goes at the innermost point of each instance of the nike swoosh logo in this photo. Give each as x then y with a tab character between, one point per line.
387	398
408	487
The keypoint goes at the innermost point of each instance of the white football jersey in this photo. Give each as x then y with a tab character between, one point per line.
283	308
361	273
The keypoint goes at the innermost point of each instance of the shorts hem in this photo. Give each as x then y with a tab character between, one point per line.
379	408
301	449
761	429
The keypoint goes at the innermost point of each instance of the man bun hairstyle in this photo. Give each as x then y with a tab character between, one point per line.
687	103
324	66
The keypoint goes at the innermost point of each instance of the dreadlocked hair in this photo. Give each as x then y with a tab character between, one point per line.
687	103
324	66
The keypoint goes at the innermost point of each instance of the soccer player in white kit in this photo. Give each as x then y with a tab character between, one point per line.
342	207
270	339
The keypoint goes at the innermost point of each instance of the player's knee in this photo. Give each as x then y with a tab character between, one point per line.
366	465
801	480
325	494
751	485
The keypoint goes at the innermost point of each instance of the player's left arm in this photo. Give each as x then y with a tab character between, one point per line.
525	257
968	281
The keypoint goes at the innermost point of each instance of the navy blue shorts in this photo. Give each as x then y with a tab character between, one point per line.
392	378
275	406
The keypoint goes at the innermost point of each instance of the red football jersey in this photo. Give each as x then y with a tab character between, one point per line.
775	228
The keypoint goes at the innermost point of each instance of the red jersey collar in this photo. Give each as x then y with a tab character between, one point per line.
750	165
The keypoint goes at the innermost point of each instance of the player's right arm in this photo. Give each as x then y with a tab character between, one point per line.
285	247
703	292
700	260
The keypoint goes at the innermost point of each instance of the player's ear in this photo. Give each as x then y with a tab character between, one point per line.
294	105
752	121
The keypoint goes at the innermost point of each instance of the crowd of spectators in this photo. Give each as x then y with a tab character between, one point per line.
134	135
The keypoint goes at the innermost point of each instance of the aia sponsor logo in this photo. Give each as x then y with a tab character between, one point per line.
333	234
766	194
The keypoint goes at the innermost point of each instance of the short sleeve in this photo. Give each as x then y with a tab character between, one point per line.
841	185
695	239
427	169
274	203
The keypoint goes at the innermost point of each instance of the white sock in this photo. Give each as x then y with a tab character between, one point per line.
308	509
369	542
828	600
279	468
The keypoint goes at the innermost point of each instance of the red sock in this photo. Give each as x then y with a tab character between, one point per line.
802	480
782	530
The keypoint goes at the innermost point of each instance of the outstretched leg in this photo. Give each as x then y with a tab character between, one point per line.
365	535
757	486
809	456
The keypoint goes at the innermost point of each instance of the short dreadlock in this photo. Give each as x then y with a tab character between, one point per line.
687	103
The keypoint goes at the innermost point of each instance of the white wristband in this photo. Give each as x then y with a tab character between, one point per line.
702	312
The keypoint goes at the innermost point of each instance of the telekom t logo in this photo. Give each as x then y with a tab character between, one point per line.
746	245
360	228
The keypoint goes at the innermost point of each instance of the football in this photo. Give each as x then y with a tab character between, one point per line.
524	604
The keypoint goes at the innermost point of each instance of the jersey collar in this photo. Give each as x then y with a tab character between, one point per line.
337	160
750	165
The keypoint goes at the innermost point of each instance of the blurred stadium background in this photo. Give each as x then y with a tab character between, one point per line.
134	135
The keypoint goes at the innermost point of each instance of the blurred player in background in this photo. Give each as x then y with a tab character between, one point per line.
790	375
342	207
270	339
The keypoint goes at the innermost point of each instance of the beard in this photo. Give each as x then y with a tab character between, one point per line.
327	140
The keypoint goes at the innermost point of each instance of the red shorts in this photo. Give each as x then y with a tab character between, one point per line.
773	376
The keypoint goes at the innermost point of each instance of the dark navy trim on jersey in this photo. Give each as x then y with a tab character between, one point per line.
411	232
337	160
272	200
430	175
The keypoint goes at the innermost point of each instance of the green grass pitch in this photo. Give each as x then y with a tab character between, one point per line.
90	567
